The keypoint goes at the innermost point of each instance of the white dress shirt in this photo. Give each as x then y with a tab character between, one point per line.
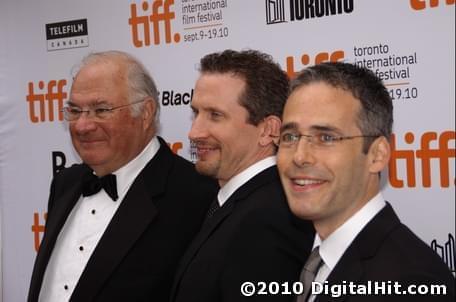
237	181
83	229
333	247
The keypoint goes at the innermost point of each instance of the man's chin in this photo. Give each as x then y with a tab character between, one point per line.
205	168
91	161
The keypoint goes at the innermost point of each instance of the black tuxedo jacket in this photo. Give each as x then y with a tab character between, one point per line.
386	250
136	257
250	238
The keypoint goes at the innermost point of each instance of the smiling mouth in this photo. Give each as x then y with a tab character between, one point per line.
89	142
306	184
202	151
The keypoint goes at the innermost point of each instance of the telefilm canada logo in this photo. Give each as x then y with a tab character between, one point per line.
276	10
67	34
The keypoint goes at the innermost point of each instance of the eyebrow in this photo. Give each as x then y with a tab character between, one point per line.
289	126
92	104
324	128
70	103
207	109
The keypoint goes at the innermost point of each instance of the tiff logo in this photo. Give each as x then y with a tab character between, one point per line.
275	11
55	93
150	17
422	4
442	153
446	251
37	230
175	147
306	59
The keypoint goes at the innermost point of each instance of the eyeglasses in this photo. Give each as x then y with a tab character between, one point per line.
320	140
101	112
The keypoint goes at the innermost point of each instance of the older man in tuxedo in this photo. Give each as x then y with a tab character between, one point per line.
118	223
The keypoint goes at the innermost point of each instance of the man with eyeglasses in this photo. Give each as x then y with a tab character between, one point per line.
248	240
334	143
118	223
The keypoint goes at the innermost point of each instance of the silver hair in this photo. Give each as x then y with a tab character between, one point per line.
139	82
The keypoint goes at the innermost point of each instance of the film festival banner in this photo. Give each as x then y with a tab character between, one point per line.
408	43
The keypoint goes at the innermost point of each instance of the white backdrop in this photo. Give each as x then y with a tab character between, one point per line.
409	43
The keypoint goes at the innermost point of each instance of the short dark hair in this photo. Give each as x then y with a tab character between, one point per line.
376	114
266	84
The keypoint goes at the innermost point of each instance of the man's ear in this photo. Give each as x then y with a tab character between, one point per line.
148	114
379	154
270	130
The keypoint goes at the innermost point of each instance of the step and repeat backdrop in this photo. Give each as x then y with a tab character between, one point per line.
410	44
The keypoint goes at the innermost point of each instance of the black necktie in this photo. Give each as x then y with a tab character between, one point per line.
213	208
93	184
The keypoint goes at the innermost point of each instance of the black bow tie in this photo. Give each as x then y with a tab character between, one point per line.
93	184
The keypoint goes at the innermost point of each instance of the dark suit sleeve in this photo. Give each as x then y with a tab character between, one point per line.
57	188
65	179
266	253
51	196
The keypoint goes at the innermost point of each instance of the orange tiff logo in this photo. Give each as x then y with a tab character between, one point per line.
50	93
142	22
441	153
306	59
423	4
175	147
37	229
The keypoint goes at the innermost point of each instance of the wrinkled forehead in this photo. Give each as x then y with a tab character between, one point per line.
94	87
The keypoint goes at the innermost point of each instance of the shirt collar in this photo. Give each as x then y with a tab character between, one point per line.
128	173
237	181
333	247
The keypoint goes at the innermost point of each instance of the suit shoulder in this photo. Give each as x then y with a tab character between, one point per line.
184	175
73	172
403	240
411	257
266	214
267	198
182	163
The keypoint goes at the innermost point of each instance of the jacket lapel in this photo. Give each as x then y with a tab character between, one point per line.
62	207
207	229
211	225
365	246
133	217
349	268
